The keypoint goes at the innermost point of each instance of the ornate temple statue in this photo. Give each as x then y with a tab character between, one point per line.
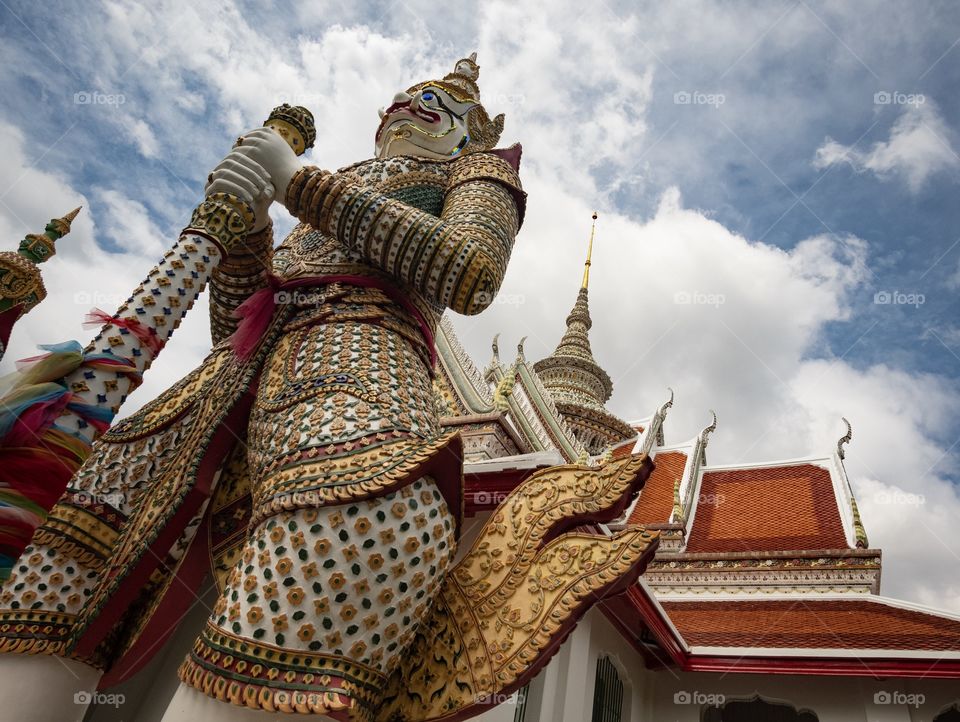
304	460
21	287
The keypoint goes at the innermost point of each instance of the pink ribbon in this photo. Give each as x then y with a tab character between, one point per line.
146	335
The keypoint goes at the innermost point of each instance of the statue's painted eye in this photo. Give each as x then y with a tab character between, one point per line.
428	96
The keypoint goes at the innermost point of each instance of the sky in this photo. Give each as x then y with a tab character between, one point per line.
775	181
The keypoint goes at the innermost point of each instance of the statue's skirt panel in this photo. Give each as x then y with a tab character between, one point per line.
322	602
121	559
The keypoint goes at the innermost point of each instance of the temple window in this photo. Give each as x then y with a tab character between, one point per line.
521	709
607	693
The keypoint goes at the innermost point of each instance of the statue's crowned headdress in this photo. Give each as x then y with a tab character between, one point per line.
462	85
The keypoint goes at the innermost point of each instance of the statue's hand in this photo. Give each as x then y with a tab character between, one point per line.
271	151
238	174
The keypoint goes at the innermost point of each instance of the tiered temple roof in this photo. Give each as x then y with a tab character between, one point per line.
824	624
760	567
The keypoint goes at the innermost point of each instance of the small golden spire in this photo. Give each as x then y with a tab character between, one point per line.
62	225
586	266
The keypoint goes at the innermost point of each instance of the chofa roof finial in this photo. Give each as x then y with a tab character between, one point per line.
845	439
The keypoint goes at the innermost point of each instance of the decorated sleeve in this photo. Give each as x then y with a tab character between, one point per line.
243	272
457	260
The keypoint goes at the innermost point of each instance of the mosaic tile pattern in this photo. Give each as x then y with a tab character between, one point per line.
351	580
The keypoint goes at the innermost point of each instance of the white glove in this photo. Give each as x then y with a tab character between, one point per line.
240	175
272	153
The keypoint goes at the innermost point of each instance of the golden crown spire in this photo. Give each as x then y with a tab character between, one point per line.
586	266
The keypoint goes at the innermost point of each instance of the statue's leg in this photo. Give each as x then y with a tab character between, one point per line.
43	688
322	604
42	597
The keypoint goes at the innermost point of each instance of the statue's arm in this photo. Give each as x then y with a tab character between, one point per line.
239	275
137	332
457	260
129	340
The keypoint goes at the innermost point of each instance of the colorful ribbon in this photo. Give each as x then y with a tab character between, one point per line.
37	459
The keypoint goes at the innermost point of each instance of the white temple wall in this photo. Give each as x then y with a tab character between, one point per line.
832	699
563	691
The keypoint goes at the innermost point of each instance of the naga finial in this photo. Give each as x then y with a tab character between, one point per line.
668	404
709	429
520	346
844	440
703	436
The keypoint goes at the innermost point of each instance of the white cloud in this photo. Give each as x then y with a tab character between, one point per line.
83	276
918	148
126	223
141	133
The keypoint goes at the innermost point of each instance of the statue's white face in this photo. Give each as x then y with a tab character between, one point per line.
431	123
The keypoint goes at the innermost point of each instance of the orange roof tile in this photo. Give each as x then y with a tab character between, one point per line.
812	624
624	450
656	499
784	508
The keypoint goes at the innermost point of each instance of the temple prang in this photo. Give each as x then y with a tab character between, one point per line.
578	385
